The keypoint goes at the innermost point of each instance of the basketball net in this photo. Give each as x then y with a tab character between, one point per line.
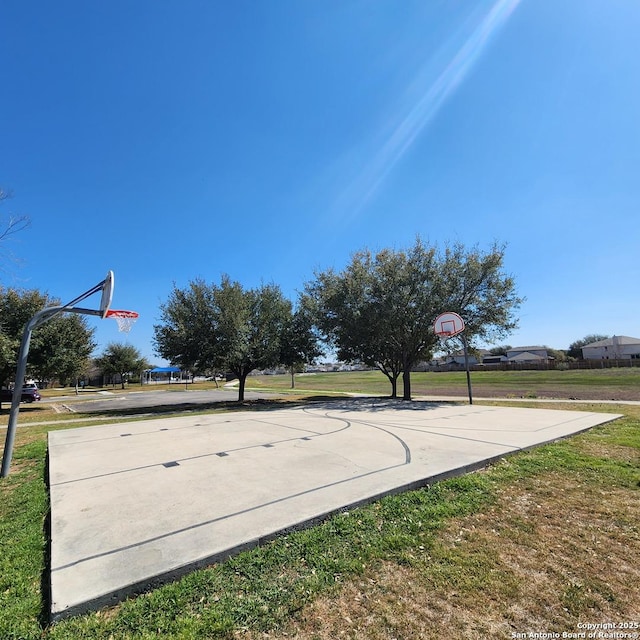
125	319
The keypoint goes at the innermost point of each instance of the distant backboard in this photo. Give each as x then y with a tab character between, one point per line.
107	294
448	324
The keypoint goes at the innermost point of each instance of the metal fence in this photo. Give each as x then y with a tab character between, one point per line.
539	366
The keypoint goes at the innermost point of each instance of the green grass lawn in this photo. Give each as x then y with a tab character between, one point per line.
605	383
277	588
600	384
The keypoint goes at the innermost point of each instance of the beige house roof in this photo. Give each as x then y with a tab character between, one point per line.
535	348
616	340
526	356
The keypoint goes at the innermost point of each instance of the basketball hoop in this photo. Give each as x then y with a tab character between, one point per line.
448	324
125	319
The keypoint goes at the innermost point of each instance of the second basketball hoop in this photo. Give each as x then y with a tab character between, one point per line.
448	324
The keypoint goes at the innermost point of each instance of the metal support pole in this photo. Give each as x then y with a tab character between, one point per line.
39	318
466	366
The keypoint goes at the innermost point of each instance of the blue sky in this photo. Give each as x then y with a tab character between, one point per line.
172	140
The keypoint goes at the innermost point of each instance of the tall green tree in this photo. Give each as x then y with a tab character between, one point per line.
380	309
187	336
361	310
121	359
223	327
558	355
298	342
60	348
500	350
8	349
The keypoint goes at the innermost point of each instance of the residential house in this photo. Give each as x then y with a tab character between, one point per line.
457	358
528	355
616	348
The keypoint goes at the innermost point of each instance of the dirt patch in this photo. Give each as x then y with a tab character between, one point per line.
547	557
551	393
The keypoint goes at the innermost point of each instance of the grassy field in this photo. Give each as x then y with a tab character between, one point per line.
587	384
593	384
543	542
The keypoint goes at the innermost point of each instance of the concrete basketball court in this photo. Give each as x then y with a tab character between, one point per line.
137	504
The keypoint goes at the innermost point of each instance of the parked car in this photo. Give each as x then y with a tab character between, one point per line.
30	393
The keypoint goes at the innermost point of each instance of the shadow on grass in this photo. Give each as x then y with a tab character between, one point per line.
26	408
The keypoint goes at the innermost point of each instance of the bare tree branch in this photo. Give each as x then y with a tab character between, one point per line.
9	226
13	225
